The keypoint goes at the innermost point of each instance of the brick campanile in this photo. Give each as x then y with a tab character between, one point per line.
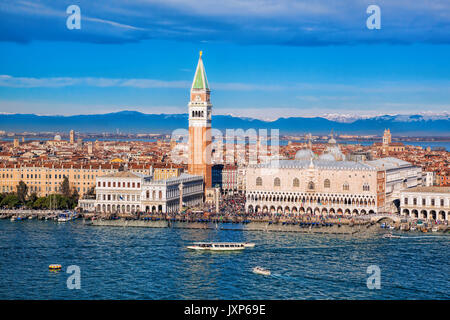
200	126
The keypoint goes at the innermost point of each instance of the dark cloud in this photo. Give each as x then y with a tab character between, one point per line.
282	22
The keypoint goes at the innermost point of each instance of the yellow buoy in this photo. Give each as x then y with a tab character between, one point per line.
55	267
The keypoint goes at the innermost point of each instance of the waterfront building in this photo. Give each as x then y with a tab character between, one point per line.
400	175
431	203
131	192
200	108
47	178
315	186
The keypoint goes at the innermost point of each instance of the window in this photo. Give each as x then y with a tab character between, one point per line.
345	186
432	202
276	182
296	183
415	201
326	183
442	202
424	202
405	201
366	187
259	181
311	185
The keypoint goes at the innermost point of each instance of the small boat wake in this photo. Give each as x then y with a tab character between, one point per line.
283	277
422	237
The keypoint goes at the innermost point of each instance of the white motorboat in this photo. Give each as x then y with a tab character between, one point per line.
261	270
390	236
249	245
217	246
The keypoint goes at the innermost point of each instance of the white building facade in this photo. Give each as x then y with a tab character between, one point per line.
432	203
315	186
128	192
400	175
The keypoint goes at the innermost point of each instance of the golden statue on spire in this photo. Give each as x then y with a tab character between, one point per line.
201	52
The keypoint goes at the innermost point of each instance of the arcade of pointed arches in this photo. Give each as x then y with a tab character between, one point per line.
317	203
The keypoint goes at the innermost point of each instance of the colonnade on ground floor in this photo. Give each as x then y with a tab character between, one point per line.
426	214
312	210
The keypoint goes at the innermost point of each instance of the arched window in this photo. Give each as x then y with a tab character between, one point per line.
326	183
311	185
259	181
160	195
148	194
276	182
296	183
345	186
366	187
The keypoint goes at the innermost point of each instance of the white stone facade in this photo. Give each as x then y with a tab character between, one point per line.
400	175
127	192
316	187
432	203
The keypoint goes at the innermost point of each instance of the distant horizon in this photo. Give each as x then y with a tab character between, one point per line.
334	116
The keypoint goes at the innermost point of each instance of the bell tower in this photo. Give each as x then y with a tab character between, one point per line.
200	126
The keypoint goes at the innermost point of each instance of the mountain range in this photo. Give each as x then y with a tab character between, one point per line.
137	122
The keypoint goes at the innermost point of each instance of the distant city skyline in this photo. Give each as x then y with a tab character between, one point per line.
301	59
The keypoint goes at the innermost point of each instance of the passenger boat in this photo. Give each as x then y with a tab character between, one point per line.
217	246
249	245
390	236
261	270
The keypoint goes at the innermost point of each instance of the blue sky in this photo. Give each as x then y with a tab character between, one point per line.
264	59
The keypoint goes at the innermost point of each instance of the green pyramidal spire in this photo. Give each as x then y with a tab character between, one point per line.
200	81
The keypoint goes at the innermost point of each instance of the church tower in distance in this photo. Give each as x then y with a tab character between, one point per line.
200	126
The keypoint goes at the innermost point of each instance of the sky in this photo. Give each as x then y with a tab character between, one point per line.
264	58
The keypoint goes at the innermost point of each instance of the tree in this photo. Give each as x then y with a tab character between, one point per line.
90	194
41	203
65	187
10	201
31	199
22	190
74	198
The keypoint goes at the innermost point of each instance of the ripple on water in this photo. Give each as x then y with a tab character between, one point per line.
145	263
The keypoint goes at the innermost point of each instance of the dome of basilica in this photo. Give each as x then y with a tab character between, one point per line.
304	154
